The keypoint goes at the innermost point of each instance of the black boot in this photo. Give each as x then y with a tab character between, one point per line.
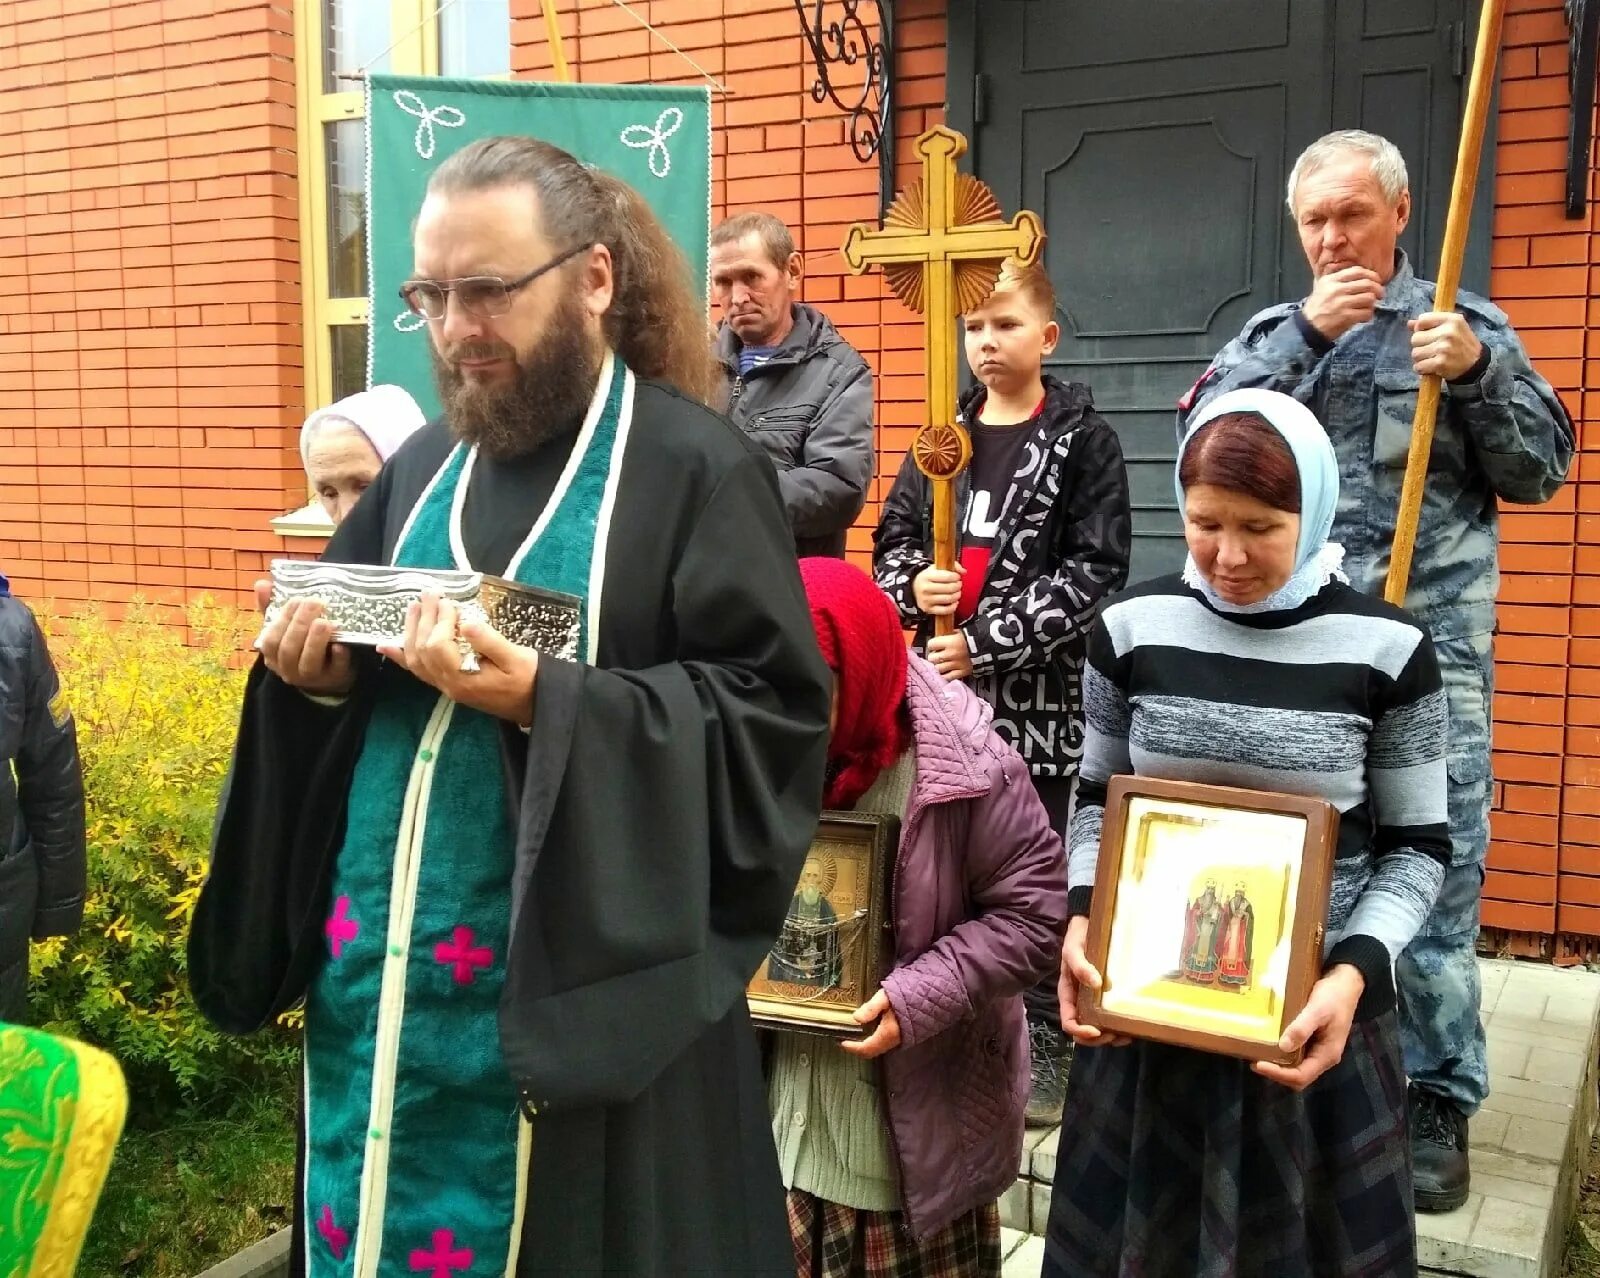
1439	1167
1051	1051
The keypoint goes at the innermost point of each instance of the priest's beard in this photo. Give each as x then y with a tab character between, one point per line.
546	399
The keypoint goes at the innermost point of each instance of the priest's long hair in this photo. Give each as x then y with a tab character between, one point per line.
655	324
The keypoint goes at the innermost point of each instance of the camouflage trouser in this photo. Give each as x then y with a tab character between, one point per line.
1437	976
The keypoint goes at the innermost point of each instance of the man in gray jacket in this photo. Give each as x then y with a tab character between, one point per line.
794	385
1353	352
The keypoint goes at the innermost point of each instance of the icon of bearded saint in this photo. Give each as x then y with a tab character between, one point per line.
1202	926
1237	931
807	950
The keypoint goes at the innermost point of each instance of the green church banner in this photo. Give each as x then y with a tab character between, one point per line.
657	139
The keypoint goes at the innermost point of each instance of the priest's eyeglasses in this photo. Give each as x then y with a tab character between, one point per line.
481	296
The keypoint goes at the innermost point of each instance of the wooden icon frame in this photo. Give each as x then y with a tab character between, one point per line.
1156	983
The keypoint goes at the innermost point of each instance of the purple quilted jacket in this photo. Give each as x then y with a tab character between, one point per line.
980	898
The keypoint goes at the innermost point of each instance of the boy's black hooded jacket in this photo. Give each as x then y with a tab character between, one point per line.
1062	547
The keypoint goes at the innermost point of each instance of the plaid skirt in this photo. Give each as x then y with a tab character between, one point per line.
831	1241
1174	1162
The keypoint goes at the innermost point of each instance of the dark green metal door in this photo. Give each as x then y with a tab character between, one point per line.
1155	139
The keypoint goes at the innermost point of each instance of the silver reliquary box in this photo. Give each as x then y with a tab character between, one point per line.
367	603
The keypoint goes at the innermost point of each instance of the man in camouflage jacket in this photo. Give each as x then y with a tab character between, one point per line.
1353	351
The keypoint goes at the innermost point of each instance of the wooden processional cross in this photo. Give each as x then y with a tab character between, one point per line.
941	247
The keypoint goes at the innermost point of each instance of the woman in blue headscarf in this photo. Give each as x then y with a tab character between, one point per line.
1259	666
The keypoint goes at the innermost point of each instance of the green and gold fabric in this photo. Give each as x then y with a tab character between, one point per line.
61	1110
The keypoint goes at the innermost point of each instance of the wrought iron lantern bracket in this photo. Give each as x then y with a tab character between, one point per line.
848	42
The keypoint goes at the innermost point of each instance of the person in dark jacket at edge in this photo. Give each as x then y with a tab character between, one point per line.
1044	532
794	385
42	874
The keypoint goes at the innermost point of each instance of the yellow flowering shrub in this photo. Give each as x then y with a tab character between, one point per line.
157	707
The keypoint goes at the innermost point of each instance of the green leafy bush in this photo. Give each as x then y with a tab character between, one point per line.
156	710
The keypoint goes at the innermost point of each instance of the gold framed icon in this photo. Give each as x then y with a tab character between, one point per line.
836	941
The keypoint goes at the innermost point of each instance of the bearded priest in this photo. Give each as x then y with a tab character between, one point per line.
522	904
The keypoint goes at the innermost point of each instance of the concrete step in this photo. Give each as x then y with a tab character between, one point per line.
1528	1142
268	1258
1024	1254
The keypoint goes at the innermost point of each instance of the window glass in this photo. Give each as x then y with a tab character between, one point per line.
349	359
356	35
475	38
345	142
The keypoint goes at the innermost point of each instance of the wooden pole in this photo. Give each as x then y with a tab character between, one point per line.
944	541
552	32
940	192
1473	125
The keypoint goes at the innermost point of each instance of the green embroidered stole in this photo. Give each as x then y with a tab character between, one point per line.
416	1152
61	1109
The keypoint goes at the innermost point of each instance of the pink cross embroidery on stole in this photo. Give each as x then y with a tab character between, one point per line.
444	1259
337	1239
463	956
340	928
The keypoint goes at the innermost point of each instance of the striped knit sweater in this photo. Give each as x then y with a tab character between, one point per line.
1339	698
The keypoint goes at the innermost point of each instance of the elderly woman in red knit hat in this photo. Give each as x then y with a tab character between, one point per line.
895	1149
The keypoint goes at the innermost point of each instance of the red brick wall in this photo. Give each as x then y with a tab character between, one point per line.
1544	861
150	349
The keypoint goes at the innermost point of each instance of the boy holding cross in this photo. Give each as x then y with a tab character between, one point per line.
1044	533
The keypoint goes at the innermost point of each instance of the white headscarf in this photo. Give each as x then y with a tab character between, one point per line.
386	415
1317	560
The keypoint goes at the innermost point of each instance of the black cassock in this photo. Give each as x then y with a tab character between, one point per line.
663	803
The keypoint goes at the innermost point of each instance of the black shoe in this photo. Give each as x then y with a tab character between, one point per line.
1051	1052
1439	1167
